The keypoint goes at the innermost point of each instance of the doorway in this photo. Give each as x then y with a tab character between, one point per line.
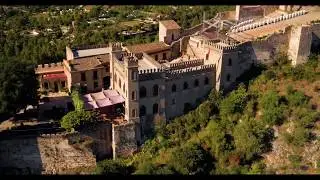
56	87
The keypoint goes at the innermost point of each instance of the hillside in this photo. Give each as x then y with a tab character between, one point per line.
268	126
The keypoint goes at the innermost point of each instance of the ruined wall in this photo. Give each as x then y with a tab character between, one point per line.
101	135
42	155
264	50
249	12
124	139
315	46
300	44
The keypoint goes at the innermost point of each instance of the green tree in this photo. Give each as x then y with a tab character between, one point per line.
252	138
191	159
77	101
76	119
18	87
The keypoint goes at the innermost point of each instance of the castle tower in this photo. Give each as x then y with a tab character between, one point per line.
169	31
132	97
300	44
115	52
238	9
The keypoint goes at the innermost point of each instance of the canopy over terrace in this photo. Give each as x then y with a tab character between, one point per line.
105	101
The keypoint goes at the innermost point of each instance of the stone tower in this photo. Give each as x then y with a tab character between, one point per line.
115	51
132	94
169	31
300	44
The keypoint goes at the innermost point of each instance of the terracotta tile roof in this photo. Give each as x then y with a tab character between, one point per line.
148	48
92	62
170	24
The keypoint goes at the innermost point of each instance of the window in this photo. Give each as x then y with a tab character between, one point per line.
207	56
95	75
164	56
230	62
196	83
142	110
133	95
206	80
174	88
185	85
173	102
119	83
124	87
133	75
228	77
155	108
143	92
63	84
83	76
95	84
156	57
133	112
155	90
46	85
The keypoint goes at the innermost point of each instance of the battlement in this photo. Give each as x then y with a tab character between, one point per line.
82	47
47	68
186	64
130	59
151	74
269	21
222	46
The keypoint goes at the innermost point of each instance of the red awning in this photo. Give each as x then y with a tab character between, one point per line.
55	76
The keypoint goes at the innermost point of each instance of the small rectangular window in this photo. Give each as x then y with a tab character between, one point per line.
156	57
133	75
164	56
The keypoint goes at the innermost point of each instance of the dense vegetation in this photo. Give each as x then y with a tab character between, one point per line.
102	24
230	134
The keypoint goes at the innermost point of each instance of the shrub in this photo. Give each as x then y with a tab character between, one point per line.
191	159
297	98
76	119
112	167
295	160
298	137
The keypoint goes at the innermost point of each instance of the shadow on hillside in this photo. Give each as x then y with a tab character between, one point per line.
247	77
20	156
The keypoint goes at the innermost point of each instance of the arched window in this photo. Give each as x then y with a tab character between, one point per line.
143	92
124	87
228	77
206	80
119	83
185	85
196	83
174	88
133	95
155	90
155	108
133	75
133	112
230	62
142	110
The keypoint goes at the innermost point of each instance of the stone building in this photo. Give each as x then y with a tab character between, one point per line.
167	78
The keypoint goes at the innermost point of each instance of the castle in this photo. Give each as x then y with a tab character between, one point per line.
167	78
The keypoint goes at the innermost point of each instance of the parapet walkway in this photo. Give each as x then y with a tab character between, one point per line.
261	31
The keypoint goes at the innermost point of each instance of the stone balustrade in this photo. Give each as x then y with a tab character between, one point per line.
268	21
